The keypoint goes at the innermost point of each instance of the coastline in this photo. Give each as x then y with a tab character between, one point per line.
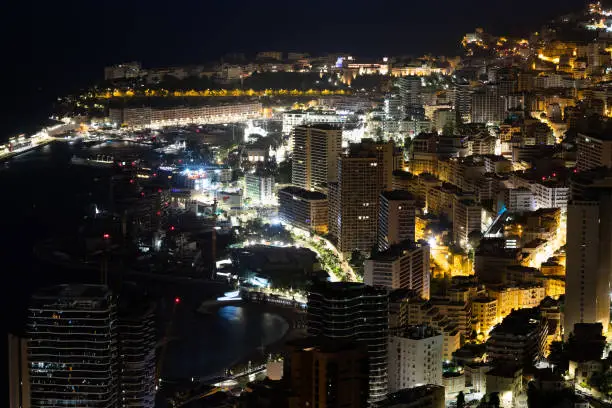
292	317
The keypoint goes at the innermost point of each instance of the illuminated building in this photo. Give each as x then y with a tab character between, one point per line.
519	200
466	219
463	102
274	55
488	105
410	88
259	188
354	311
404	180
404	265
507	381
315	148
593	151
137	341
415	357
127	70
294	118
325	372
551	194
419	311
519	339
304	209
589	259
484	309
396	218
513	297
353	209
211	114
73	353
423	396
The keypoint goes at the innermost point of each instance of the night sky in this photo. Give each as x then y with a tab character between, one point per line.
54	46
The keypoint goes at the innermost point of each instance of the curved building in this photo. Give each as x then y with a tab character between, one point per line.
348	310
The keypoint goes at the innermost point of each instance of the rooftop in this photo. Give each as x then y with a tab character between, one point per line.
73	291
302	193
397	195
410	395
396	251
504	370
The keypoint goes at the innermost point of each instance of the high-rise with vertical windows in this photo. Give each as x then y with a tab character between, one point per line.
344	310
404	265
589	258
73	347
137	355
396	218
315	148
353	208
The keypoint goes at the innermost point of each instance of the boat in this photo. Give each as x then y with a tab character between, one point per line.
99	161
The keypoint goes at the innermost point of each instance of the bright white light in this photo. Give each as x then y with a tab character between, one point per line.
432	242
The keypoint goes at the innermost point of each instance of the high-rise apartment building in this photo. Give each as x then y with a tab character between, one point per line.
325	372
463	102
353	209
73	347
396	218
137	341
315	148
593	151
388	156
410	88
488	105
519	339
343	310
415	357
18	372
467	217
404	265
589	259
304	209
259	188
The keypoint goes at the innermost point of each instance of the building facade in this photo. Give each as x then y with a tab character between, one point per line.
354	311
415	357
73	354
396	218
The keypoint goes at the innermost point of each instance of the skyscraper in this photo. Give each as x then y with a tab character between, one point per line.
353	199
137	355
343	310
315	148
410	90
326	372
73	347
589	258
396	218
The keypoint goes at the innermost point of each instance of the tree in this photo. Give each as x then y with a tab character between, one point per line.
460	400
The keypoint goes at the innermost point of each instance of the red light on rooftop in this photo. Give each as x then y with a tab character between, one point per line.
177	300
158	213
554	174
543	178
172	228
106	236
154	174
131	181
159	190
575	170
142	194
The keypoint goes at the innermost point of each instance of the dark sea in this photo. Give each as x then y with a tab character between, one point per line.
43	196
